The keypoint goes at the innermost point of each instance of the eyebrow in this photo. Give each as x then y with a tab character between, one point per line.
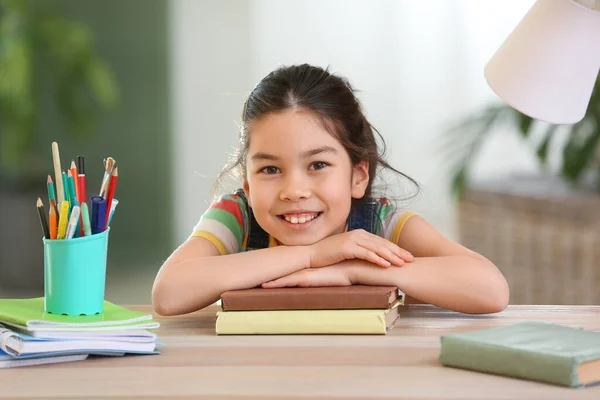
306	154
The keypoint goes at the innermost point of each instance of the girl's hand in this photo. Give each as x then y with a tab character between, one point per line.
334	275
359	244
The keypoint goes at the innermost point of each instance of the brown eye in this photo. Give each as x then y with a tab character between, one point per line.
318	165
270	170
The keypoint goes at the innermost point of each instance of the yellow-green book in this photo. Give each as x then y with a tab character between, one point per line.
531	350
300	322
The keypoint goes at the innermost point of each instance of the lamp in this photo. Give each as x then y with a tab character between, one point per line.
548	65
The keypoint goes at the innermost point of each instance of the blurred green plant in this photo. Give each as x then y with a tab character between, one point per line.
41	50
580	152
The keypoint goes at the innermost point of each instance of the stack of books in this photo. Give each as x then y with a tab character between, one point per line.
30	336
351	310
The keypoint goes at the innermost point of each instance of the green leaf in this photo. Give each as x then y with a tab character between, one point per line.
542	150
580	149
459	183
102	83
524	123
462	142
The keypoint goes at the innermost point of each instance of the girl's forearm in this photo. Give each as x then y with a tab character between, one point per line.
195	283
459	283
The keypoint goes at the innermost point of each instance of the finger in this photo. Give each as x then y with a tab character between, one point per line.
405	254
383	250
397	250
368	255
379	242
281	282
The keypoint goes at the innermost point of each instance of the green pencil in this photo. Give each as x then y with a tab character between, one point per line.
66	189
50	189
72	193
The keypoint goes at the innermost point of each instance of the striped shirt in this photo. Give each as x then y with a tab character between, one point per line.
225	223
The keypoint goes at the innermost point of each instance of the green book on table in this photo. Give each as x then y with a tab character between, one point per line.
28	315
536	351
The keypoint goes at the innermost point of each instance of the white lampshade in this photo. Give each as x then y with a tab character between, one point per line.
548	65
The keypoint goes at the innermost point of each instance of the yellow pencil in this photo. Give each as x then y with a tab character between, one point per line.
63	220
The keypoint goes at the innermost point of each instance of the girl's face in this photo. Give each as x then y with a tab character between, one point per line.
299	178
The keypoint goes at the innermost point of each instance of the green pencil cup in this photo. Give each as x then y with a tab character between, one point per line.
75	274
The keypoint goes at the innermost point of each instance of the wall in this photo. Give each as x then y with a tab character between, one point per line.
418	66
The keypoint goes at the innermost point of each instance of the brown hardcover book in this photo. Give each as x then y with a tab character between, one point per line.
313	298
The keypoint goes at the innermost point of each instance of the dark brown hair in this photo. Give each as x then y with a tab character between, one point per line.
330	98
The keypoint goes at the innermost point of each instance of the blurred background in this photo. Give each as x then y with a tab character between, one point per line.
159	86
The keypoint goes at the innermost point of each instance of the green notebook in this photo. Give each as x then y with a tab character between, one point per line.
536	351
29	315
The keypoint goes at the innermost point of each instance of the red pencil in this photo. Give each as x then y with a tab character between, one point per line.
110	193
81	195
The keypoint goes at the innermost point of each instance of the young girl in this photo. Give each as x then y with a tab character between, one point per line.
308	158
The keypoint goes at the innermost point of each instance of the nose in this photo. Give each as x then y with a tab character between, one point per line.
295	186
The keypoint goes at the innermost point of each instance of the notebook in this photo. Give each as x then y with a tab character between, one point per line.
129	335
28	315
531	350
7	361
18	344
311	298
282	322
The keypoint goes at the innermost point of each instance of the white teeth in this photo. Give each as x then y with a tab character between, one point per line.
299	220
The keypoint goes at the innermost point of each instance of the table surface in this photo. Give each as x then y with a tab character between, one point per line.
196	363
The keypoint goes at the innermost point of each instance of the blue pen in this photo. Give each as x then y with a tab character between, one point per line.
98	217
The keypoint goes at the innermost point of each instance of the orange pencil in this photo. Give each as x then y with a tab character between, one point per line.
53	223
53	206
110	193
74	174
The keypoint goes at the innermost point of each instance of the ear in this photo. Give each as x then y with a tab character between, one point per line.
246	188
360	179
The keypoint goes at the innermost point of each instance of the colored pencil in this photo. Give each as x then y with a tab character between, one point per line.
57	173
71	187
110	193
53	222
81	195
43	220
65	189
74	175
51	198
50	187
63	220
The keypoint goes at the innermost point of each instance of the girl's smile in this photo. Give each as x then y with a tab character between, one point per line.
300	220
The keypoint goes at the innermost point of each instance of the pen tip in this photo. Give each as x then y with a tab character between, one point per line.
73	164
49	179
39	202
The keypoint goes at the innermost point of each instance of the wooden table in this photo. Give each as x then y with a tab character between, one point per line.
198	364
